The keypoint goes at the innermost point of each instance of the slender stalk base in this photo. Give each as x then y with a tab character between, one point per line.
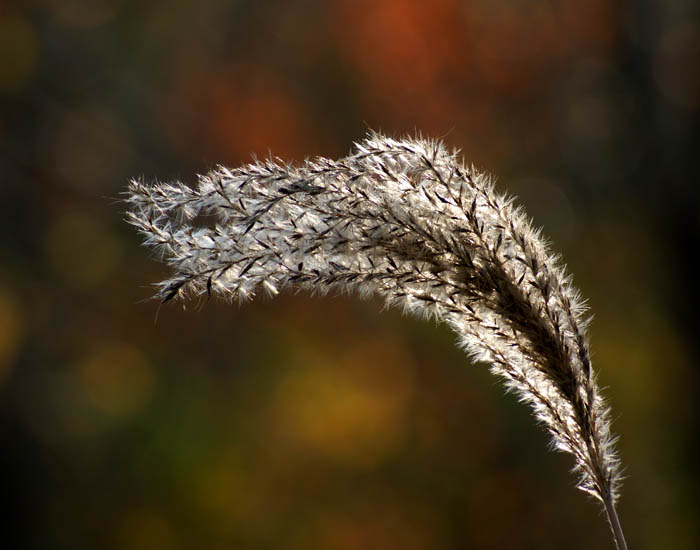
614	522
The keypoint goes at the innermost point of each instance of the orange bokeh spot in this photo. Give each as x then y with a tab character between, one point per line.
256	115
407	47
233	112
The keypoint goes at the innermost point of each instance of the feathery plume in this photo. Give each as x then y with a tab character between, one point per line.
403	219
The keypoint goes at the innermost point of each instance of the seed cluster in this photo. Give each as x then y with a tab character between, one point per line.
406	220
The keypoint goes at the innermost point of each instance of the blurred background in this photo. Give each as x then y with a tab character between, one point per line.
309	423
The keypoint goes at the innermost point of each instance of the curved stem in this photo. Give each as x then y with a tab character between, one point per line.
614	523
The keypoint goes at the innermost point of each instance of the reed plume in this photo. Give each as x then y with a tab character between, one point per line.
406	220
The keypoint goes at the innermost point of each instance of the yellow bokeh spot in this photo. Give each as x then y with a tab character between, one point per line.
11	328
351	409
118	379
642	356
372	519
81	250
18	53
145	530
234	497
84	13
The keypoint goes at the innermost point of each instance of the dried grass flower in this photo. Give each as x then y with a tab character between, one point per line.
405	220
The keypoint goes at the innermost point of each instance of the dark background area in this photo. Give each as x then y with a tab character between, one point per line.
327	423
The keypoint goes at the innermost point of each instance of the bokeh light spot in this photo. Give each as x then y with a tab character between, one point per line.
11	328
118	379
18	53
350	409
500	26
372	520
84	13
404	58
81	250
677	66
144	530
236	497
256	116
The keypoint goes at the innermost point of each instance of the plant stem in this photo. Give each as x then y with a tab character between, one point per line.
614	523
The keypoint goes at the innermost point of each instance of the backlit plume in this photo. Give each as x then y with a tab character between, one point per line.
408	221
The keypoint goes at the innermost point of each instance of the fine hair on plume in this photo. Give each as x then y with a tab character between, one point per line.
406	220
